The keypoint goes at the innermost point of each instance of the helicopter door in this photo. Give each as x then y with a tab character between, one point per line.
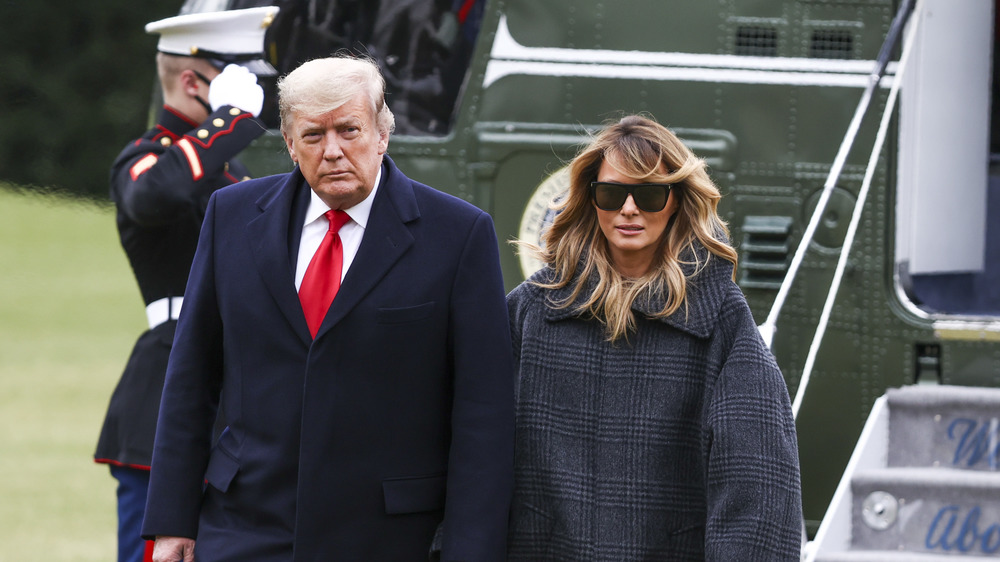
945	191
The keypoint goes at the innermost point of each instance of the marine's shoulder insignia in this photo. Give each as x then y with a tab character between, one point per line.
143	164
191	154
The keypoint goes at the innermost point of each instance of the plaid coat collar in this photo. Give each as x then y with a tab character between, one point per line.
698	317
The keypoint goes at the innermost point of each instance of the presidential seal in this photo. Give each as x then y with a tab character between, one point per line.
538	215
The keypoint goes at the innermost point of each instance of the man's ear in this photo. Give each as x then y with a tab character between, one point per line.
189	82
383	141
290	145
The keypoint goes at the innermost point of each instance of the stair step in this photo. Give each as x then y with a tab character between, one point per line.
886	556
944	426
942	511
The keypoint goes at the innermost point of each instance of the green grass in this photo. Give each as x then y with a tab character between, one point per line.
69	314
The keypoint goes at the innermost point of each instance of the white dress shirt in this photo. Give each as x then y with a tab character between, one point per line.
315	226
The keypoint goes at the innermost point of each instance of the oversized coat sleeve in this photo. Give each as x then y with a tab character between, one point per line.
515	314
753	490
481	471
189	403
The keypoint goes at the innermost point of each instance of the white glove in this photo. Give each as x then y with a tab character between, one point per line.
236	86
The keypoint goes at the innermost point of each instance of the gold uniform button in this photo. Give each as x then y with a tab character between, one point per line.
245	178
165	141
219	122
235	111
202	133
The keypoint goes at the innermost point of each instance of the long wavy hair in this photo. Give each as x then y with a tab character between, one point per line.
642	149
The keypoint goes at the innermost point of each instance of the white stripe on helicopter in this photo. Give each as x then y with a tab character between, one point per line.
508	58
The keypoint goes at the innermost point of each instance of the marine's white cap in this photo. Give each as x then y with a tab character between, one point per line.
227	37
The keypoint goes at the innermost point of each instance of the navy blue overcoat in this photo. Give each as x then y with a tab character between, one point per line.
355	446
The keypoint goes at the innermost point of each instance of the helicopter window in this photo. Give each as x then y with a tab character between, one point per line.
948	197
756	41
424	48
831	44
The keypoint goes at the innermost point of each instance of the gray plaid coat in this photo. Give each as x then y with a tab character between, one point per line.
677	445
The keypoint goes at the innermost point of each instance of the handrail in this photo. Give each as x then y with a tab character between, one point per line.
855	219
767	329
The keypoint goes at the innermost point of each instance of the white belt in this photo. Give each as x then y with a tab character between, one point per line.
167	308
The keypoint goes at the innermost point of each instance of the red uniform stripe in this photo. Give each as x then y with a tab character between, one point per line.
144	163
192	157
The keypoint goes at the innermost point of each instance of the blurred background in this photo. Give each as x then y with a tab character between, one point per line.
75	86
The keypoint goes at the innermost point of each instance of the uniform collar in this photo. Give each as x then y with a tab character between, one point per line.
173	123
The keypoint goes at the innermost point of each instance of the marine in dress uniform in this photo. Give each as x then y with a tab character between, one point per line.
160	184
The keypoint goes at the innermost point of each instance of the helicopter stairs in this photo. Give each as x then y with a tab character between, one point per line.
923	484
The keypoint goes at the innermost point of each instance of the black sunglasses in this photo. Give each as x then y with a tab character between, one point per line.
648	197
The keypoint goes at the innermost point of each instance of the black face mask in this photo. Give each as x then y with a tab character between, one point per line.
204	79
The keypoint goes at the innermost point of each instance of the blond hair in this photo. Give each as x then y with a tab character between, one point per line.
642	149
323	85
169	68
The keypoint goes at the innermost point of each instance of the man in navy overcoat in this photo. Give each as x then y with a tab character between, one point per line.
396	420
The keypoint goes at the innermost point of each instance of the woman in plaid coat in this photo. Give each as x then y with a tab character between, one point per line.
652	421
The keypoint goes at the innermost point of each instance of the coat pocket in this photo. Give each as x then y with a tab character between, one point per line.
414	494
222	468
404	314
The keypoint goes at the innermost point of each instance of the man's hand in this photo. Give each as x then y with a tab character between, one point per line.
173	549
238	87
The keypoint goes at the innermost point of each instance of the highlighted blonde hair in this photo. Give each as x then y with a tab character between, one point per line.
642	149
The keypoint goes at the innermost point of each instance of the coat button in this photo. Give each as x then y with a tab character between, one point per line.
218	122
202	133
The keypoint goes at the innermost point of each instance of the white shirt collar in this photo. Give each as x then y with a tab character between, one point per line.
358	213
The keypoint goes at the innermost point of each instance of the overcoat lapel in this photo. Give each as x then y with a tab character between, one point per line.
387	237
268	236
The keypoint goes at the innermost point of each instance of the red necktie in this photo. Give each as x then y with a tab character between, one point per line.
322	277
